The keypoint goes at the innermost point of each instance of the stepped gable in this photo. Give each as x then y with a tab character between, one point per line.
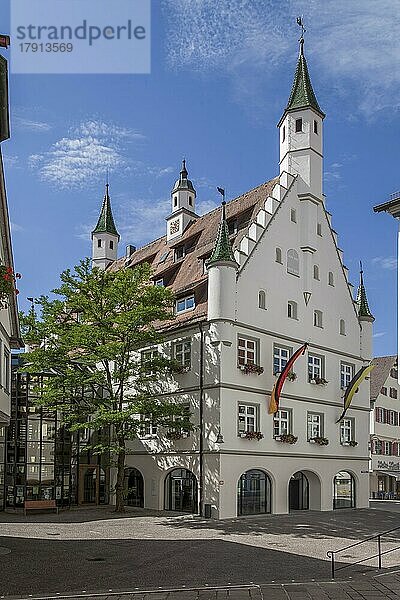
383	364
186	275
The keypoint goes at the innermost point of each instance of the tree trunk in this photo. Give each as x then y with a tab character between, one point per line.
119	488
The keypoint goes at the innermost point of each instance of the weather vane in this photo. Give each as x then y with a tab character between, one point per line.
300	23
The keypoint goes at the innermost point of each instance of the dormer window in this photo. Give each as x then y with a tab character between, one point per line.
184	304
159	282
232	226
179	253
299	125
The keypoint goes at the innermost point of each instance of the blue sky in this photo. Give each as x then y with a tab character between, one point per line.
221	76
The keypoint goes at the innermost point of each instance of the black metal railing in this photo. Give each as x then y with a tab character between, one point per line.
331	553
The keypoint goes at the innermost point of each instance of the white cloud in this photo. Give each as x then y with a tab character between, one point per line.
30	125
88	151
15	228
10	161
379	334
353	45
388	262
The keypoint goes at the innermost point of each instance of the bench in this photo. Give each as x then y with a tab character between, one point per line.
40	505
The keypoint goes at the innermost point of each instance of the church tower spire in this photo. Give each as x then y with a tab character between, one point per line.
105	236
183	197
363	310
301	129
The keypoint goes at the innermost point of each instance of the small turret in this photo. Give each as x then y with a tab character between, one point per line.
183	197
365	319
222	268
105	236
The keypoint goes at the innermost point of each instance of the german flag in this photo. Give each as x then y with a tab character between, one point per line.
276	391
353	386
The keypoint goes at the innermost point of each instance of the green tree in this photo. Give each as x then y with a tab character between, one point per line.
89	340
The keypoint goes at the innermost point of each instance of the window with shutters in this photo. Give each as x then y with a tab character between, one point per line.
379	414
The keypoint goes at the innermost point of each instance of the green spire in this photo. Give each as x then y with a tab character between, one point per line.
302	94
222	250
361	301
106	224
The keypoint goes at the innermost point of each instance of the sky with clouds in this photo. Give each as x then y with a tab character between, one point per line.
221	75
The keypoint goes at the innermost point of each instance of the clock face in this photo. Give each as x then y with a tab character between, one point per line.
174	226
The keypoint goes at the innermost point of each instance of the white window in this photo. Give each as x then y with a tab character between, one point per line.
147	427
159	282
292	262
317	318
314	425
184	304
247	418
282	422
386	447
293	216
247	351
179	253
281	357
330	278
346	431
342	327
346	374
316	272
147	357
262	301
292	309
7	373
319	229
183	353
278	255
315	366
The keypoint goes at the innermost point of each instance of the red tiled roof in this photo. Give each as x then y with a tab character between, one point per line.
383	364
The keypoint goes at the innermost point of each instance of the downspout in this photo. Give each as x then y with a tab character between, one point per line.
201	402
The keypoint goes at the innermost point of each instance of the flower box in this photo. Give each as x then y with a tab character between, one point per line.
181	369
317	380
292	376
249	368
7	284
321	441
351	443
176	435
286	438
251	435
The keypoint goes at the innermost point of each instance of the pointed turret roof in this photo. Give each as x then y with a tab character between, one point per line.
222	250
302	94
106	224
363	309
183	183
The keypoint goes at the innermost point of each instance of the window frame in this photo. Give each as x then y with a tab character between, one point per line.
312	368
278	255
310	433
346	377
292	308
298	125
293	215
184	299
282	417
245	417
278	368
294	259
318	319
347	430
262	299
247	351
183	356
331	279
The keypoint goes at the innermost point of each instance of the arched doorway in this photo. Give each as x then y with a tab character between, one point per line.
344	490
298	492
254	493
134	488
181	491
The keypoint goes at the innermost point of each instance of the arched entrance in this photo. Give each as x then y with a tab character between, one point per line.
134	488
254	493
344	490
181	491
298	492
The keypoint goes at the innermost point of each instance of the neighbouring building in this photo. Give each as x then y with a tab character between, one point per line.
253	281
385	433
9	325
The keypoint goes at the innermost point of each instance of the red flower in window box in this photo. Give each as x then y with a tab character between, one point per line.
7	284
249	368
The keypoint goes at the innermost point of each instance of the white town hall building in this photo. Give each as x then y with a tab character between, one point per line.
253	282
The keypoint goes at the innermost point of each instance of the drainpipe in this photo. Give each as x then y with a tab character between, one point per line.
201	403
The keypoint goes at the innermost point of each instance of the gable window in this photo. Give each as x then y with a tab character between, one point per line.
299	125
316	272
281	357
232	226
292	309
314	425
292	262
99	243
247	351
293	216
393	392
111	245
347	431
346	374
317	318
247	418
316	127
282	422
342	327
283	133
179	252
319	229
184	304
315	367
182	352
159	282
278	255
262	301
330	278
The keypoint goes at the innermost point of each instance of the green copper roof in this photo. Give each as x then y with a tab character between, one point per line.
302	94
106	224
183	183
361	301
222	249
